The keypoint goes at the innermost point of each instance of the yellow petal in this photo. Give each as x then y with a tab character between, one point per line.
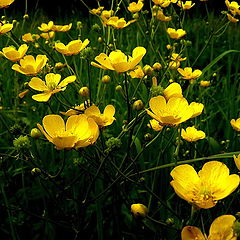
53	124
38	84
109	111
66	81
104	61
42	97
157	103
192	233
66	142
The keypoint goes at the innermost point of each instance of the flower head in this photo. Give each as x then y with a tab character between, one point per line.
61	28
28	37
72	48
205	188
45	27
191	134
5	3
189	74
139	210
96	11
4	28
50	86
137	72
235	124
29	65
117	22
159	15
14	55
185	6
176	34
79	131
135	6
118	61
162	3
48	35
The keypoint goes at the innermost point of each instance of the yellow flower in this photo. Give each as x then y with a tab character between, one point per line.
231	18
188	74
205	188
220	229
139	210
197	108
51	85
204	83
48	35
72	48
155	125
161	17
4	28
135	7
104	119
118	61
162	3
191	134
61	28
96	11
106	14
79	131
45	27
233	7
173	112
173	90
185	6
30	66
237	161
177	57
235	124
137	72
5	3
117	22
176	34
28	37
14	55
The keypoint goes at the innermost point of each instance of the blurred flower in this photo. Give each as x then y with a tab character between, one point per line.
162	3
29	66
139	210
118	61
176	34
185	6
96	11
205	188
237	161
45	27
204	83
222	228
106	14
61	28
135	7
48	35
79	131
173	90
191	134
28	37
173	112
137	72
161	17
50	86
188	74
5	3
72	48
155	125
104	119
231	18
233	7
235	124
4	28
117	22
14	55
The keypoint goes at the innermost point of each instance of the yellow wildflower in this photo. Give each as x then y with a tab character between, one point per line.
117	22
118	61
191	134
235	124
205	83
106	14
161	17
61	28
189	74
4	28
135	7
137	72
104	119
185	6
220	229
173	90
139	210
48	35
233	7
155	125
231	18
176	34
72	48
14	55
45	27
28	37
79	131
29	66
96	11
51	85
5	3
237	161
162	3
205	188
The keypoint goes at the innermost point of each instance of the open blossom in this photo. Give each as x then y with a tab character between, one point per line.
173	90
185	6
137	72
191	134
96	11
45	27
235	124
233	7
72	48
102	119
162	3
5	3
28	37
13	54
176	34
48	35
4	28
79	131
50	86
61	28
135	6
159	15
188	74
205	188
29	65
118	61
222	228
117	22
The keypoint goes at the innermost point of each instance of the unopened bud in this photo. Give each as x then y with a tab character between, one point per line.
139	210
157	67
106	79
84	91
35	133
138	105
148	70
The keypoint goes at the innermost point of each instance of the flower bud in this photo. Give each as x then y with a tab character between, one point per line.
22	143
35	133
25	16
84	92
204	83
138	105
118	88
35	171
139	210
157	67
106	79
148	70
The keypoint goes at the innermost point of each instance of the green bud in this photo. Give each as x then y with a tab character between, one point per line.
22	143
113	143
138	105
87	53
35	133
96	28
106	79
156	91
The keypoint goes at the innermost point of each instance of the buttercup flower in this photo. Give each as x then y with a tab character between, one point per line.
51	85
176	34
173	112
79	131
222	228
231	18
104	119
161	17
30	66
162	3
48	35
205	83
14	55
191	134
45	27
233	7
205	188
96	11
155	125
118	61
72	48
106	14
188	74
235	124
4	28
61	28
137	72
173	90
237	161
185	6
28	37
5	3
139	210
117	22
135	7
